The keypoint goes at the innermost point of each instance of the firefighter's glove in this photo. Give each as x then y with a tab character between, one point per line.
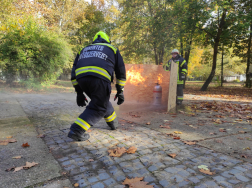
81	99
119	94
182	76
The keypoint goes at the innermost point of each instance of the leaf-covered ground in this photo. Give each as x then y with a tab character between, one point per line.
233	93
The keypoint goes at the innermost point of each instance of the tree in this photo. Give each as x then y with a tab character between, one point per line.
31	51
216	24
146	29
243	34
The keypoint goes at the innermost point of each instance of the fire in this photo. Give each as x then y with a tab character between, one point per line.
134	76
159	78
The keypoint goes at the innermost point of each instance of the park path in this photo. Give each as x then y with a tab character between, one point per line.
88	163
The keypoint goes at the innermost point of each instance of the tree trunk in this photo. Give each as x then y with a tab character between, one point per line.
222	68
181	47
248	81
187	55
161	56
156	56
216	44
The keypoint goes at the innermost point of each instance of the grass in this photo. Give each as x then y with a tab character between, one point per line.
60	86
214	84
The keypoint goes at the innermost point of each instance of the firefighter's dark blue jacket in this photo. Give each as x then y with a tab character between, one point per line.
100	59
182	67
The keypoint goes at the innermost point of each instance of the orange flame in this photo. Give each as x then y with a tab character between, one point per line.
134	76
160	76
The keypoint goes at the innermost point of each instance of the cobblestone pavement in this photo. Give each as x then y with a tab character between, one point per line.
151	160
88	163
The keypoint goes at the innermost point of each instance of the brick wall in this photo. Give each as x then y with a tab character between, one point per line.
141	80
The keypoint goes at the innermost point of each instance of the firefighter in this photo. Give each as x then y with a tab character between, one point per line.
92	73
182	71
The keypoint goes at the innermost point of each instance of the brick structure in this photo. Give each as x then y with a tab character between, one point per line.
141	80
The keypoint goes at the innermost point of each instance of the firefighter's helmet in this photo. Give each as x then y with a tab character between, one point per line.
175	51
102	35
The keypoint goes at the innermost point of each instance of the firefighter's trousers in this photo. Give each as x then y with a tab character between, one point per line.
98	91
180	93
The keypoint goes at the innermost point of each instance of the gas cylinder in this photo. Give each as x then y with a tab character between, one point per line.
157	93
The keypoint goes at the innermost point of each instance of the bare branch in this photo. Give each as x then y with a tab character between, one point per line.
205	31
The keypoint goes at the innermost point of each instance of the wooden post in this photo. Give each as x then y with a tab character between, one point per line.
172	94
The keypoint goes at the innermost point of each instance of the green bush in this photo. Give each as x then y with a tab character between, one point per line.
33	53
236	80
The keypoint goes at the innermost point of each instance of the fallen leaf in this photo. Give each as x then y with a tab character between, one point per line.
117	152
133	180
148	123
206	172
132	149
189	142
136	116
219	116
18	168
140	184
168	123
218	141
205	167
212	133
169	134
182	112
91	160
41	136
9	136
244	156
240	138
4	143
76	185
89	130
176	137
136	183
173	114
217	121
193	126
172	155
29	165
247	148
243	132
167	127
238	120
222	130
17	157
64	173
177	132
25	145
10	169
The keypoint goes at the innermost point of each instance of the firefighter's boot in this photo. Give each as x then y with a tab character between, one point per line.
113	124
77	136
